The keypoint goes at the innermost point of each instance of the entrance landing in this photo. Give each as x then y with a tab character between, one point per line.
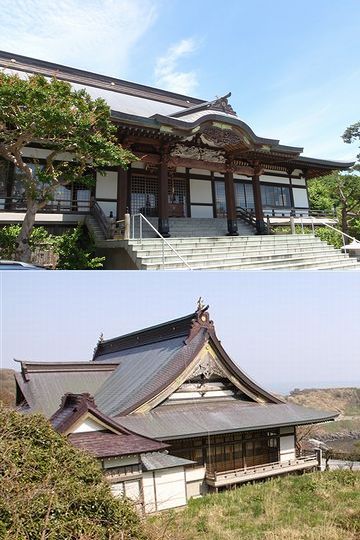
194	227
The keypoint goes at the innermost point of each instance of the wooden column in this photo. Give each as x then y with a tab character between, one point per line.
122	193
163	222
230	201
259	214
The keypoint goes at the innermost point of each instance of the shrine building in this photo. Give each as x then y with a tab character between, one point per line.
169	415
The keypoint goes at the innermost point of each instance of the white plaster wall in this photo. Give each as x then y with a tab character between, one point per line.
106	185
170	488
201	211
275	179
88	425
42	153
298	182
204	172
287	447
148	492
117	489
200	191
132	489
181	170
300	197
197	473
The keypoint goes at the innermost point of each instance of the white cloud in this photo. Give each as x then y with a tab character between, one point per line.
167	74
98	35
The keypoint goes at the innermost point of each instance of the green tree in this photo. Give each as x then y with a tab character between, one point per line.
50	113
341	190
351	134
50	490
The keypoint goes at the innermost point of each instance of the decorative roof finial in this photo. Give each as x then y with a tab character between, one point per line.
200	304
100	340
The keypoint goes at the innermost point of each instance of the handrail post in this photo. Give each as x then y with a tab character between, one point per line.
133	227
268	226
302	224
163	254
127	227
312	225
292	224
140	228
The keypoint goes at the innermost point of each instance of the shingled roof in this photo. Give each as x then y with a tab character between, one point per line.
110	441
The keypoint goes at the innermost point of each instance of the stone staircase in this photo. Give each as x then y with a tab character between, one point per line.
276	252
94	229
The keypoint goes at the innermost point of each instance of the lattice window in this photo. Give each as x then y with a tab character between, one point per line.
220	199
244	195
177	197
144	195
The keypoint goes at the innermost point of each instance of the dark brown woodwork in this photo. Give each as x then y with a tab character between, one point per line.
230	201
163	224
122	193
259	213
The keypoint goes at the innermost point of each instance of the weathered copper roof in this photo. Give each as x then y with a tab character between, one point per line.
42	385
160	460
199	419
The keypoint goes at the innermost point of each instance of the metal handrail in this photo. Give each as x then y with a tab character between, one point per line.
164	241
342	234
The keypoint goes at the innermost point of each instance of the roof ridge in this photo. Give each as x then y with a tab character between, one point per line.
21	62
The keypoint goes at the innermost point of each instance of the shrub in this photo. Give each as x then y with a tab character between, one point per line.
75	250
49	489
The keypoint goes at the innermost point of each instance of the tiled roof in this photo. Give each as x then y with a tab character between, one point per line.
161	460
103	444
190	420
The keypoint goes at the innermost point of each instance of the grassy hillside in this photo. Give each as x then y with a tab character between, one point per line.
346	401
317	506
7	386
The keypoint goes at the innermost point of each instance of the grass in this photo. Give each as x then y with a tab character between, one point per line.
321	506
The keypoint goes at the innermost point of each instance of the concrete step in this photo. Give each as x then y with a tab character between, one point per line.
280	252
189	251
238	256
251	262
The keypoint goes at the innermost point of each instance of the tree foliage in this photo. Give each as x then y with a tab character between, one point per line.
75	250
339	190
50	490
48	112
351	134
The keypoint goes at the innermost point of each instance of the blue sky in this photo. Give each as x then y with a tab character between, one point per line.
285	329
293	67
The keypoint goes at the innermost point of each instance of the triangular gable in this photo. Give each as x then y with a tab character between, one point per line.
211	375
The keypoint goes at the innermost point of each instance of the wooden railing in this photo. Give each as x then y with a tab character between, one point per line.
246	215
63	206
272	468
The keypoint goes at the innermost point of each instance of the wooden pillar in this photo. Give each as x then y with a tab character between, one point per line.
122	193
259	214
230	201
163	223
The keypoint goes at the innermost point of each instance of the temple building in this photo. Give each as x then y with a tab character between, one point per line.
169	414
196	159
